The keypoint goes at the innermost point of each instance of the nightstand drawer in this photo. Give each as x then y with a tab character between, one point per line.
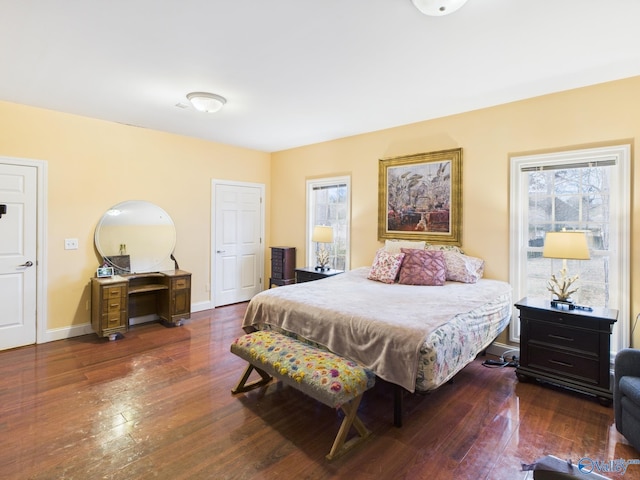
302	277
310	274
566	364
566	337
570	319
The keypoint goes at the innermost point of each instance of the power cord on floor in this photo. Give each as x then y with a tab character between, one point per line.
501	363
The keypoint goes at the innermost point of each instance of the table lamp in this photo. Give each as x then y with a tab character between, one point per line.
567	245
322	234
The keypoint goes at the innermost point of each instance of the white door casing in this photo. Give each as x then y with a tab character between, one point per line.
18	254
237	247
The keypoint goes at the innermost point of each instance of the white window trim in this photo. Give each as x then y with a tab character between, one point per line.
319	182
518	219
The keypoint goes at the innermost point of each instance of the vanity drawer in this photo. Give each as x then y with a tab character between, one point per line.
113	320
112	306
113	292
181	283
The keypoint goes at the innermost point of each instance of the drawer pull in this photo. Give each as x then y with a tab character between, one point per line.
564	364
560	337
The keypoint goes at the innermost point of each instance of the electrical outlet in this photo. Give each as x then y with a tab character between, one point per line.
70	243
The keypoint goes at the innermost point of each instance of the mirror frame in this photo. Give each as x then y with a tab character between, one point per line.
136	234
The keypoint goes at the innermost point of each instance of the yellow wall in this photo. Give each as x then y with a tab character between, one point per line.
93	164
596	115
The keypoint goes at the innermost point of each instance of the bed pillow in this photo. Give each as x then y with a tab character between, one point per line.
463	268
385	266
444	248
395	246
423	267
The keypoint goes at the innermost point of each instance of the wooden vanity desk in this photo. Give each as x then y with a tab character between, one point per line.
114	300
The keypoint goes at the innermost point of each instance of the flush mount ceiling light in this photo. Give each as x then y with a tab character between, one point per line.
206	102
438	8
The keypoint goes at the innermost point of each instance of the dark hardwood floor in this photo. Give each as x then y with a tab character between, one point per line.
157	404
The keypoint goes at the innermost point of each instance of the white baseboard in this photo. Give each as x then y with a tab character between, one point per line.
62	333
201	306
500	349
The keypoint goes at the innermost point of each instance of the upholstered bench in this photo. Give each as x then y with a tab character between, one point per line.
324	376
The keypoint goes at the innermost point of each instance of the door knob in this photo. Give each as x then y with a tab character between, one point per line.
27	264
221	251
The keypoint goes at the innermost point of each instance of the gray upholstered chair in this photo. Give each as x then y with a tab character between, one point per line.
626	395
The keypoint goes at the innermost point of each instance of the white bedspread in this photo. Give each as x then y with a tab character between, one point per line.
379	325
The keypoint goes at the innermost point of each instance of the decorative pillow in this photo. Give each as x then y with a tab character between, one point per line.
462	268
385	266
444	248
423	267
395	246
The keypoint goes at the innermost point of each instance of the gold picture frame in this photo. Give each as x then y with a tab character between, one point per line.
420	197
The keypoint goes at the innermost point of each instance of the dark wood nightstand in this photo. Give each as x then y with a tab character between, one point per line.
309	274
570	348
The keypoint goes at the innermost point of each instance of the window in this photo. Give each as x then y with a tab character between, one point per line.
586	190
329	203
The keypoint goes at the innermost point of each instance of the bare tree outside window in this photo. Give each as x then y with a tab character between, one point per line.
586	190
571	199
329	204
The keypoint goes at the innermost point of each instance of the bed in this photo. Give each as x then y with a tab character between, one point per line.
417	337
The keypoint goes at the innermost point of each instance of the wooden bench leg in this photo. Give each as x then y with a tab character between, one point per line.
243	386
351	418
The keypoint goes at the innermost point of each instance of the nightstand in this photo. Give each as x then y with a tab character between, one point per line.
570	348
309	274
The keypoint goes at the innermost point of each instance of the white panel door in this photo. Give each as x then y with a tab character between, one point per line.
238	245
18	228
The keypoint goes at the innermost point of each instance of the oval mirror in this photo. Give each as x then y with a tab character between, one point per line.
136	237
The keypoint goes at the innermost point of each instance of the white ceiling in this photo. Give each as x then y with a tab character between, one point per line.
297	72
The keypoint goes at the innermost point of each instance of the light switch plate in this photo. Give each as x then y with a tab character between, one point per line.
70	243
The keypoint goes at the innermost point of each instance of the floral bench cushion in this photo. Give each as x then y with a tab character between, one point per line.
325	376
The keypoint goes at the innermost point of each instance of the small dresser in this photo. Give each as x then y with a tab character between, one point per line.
570	348
283	265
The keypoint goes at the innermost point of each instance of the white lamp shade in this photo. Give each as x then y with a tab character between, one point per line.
438	8
566	245
206	102
322	234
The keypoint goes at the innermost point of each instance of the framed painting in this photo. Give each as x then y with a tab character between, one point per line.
420	197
